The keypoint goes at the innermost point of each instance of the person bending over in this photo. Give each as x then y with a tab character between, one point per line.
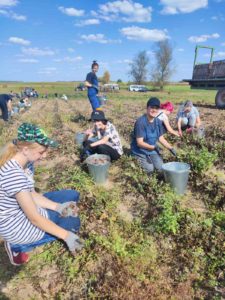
148	130
165	110
188	118
27	218
103	138
6	106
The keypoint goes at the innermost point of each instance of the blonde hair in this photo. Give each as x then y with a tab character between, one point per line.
10	150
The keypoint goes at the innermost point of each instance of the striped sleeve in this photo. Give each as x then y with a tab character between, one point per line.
15	182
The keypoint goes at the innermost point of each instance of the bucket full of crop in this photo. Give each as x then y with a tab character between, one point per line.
176	174
79	138
98	166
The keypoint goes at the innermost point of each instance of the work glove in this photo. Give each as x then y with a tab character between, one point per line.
68	209
173	151
73	242
158	149
95	86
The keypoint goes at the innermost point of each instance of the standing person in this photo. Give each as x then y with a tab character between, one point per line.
107	140
188	118
148	130
6	106
27	218
165	110
92	85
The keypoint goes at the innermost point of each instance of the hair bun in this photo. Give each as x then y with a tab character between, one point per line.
94	61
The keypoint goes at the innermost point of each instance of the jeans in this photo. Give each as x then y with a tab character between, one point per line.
94	100
68	223
101	149
188	122
150	162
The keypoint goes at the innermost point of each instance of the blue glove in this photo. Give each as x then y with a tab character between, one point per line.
73	242
68	209
173	152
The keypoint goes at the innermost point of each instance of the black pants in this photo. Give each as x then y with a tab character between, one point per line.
101	149
4	108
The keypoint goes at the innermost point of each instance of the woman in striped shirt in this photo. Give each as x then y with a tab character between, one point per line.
27	218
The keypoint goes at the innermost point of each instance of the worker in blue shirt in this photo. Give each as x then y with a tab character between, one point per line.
92	85
5	105
148	130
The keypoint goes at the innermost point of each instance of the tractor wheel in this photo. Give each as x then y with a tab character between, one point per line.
220	99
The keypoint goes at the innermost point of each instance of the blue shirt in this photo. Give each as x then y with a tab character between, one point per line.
149	131
4	98
182	114
92	78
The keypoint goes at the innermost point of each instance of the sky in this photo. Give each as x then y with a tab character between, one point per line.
57	40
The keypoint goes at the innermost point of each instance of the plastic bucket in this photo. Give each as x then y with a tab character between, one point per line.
16	110
79	138
98	166
176	174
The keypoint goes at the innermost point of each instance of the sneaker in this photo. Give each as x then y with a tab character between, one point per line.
16	258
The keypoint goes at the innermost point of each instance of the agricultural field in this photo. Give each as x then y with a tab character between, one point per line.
142	241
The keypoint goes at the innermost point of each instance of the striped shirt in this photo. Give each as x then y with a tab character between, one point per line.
15	227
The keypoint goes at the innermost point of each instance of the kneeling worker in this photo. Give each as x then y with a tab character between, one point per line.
148	130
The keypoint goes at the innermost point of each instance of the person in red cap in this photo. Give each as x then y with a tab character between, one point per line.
148	131
165	110
106	138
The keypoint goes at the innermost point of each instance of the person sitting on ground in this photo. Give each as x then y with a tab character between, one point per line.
27	218
6	106
107	140
165	110
188	118
148	130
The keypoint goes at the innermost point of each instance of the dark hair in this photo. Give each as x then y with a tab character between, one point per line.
94	64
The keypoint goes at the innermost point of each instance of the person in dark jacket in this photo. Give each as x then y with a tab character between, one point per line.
92	85
5	105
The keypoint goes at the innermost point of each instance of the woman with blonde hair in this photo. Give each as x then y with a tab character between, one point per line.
27	218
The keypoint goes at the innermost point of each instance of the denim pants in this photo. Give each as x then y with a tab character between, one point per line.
4	109
94	100
187	122
68	223
150	162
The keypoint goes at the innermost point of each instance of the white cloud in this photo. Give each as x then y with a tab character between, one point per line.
98	38
12	15
19	41
125	10
48	71
71	50
8	2
28	60
172	7
123	61
203	38
144	34
220	54
69	59
88	22
18	17
72	12
38	52
180	49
